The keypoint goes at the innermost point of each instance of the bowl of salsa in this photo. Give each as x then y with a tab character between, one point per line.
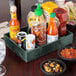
68	54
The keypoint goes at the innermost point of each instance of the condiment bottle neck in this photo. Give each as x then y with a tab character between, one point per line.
13	15
52	19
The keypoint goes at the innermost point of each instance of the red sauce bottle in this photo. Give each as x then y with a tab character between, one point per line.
61	14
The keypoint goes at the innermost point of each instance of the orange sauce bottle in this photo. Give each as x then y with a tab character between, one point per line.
52	30
14	26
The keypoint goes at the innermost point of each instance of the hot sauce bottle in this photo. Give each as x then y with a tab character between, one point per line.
61	14
52	30
39	26
14	26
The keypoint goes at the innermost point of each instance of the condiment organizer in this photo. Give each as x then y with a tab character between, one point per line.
39	51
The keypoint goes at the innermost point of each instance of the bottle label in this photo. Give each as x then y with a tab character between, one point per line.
13	16
51	38
40	33
13	31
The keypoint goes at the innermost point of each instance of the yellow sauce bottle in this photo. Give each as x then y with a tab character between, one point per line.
14	26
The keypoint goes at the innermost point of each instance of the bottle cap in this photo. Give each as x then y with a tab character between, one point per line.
13	8
52	15
38	11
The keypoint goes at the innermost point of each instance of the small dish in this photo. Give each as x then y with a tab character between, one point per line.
53	74
66	59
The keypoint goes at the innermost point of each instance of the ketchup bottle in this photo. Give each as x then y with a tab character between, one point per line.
52	30
14	26
61	14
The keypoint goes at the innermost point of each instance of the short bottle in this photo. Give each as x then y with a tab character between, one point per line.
14	26
52	30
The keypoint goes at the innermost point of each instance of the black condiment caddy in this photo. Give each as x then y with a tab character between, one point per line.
39	51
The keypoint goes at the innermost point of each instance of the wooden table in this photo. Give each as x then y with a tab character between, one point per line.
17	67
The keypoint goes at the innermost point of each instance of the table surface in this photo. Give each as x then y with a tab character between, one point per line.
17	67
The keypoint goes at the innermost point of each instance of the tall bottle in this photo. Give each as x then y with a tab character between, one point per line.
39	26
18	5
52	30
14	26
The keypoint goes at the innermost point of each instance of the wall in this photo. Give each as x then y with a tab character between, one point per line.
4	10
25	8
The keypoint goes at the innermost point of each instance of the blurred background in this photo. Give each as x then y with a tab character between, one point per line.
25	6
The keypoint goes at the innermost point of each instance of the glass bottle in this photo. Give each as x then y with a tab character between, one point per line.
18	5
14	26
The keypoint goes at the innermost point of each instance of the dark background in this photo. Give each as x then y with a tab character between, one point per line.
25	8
